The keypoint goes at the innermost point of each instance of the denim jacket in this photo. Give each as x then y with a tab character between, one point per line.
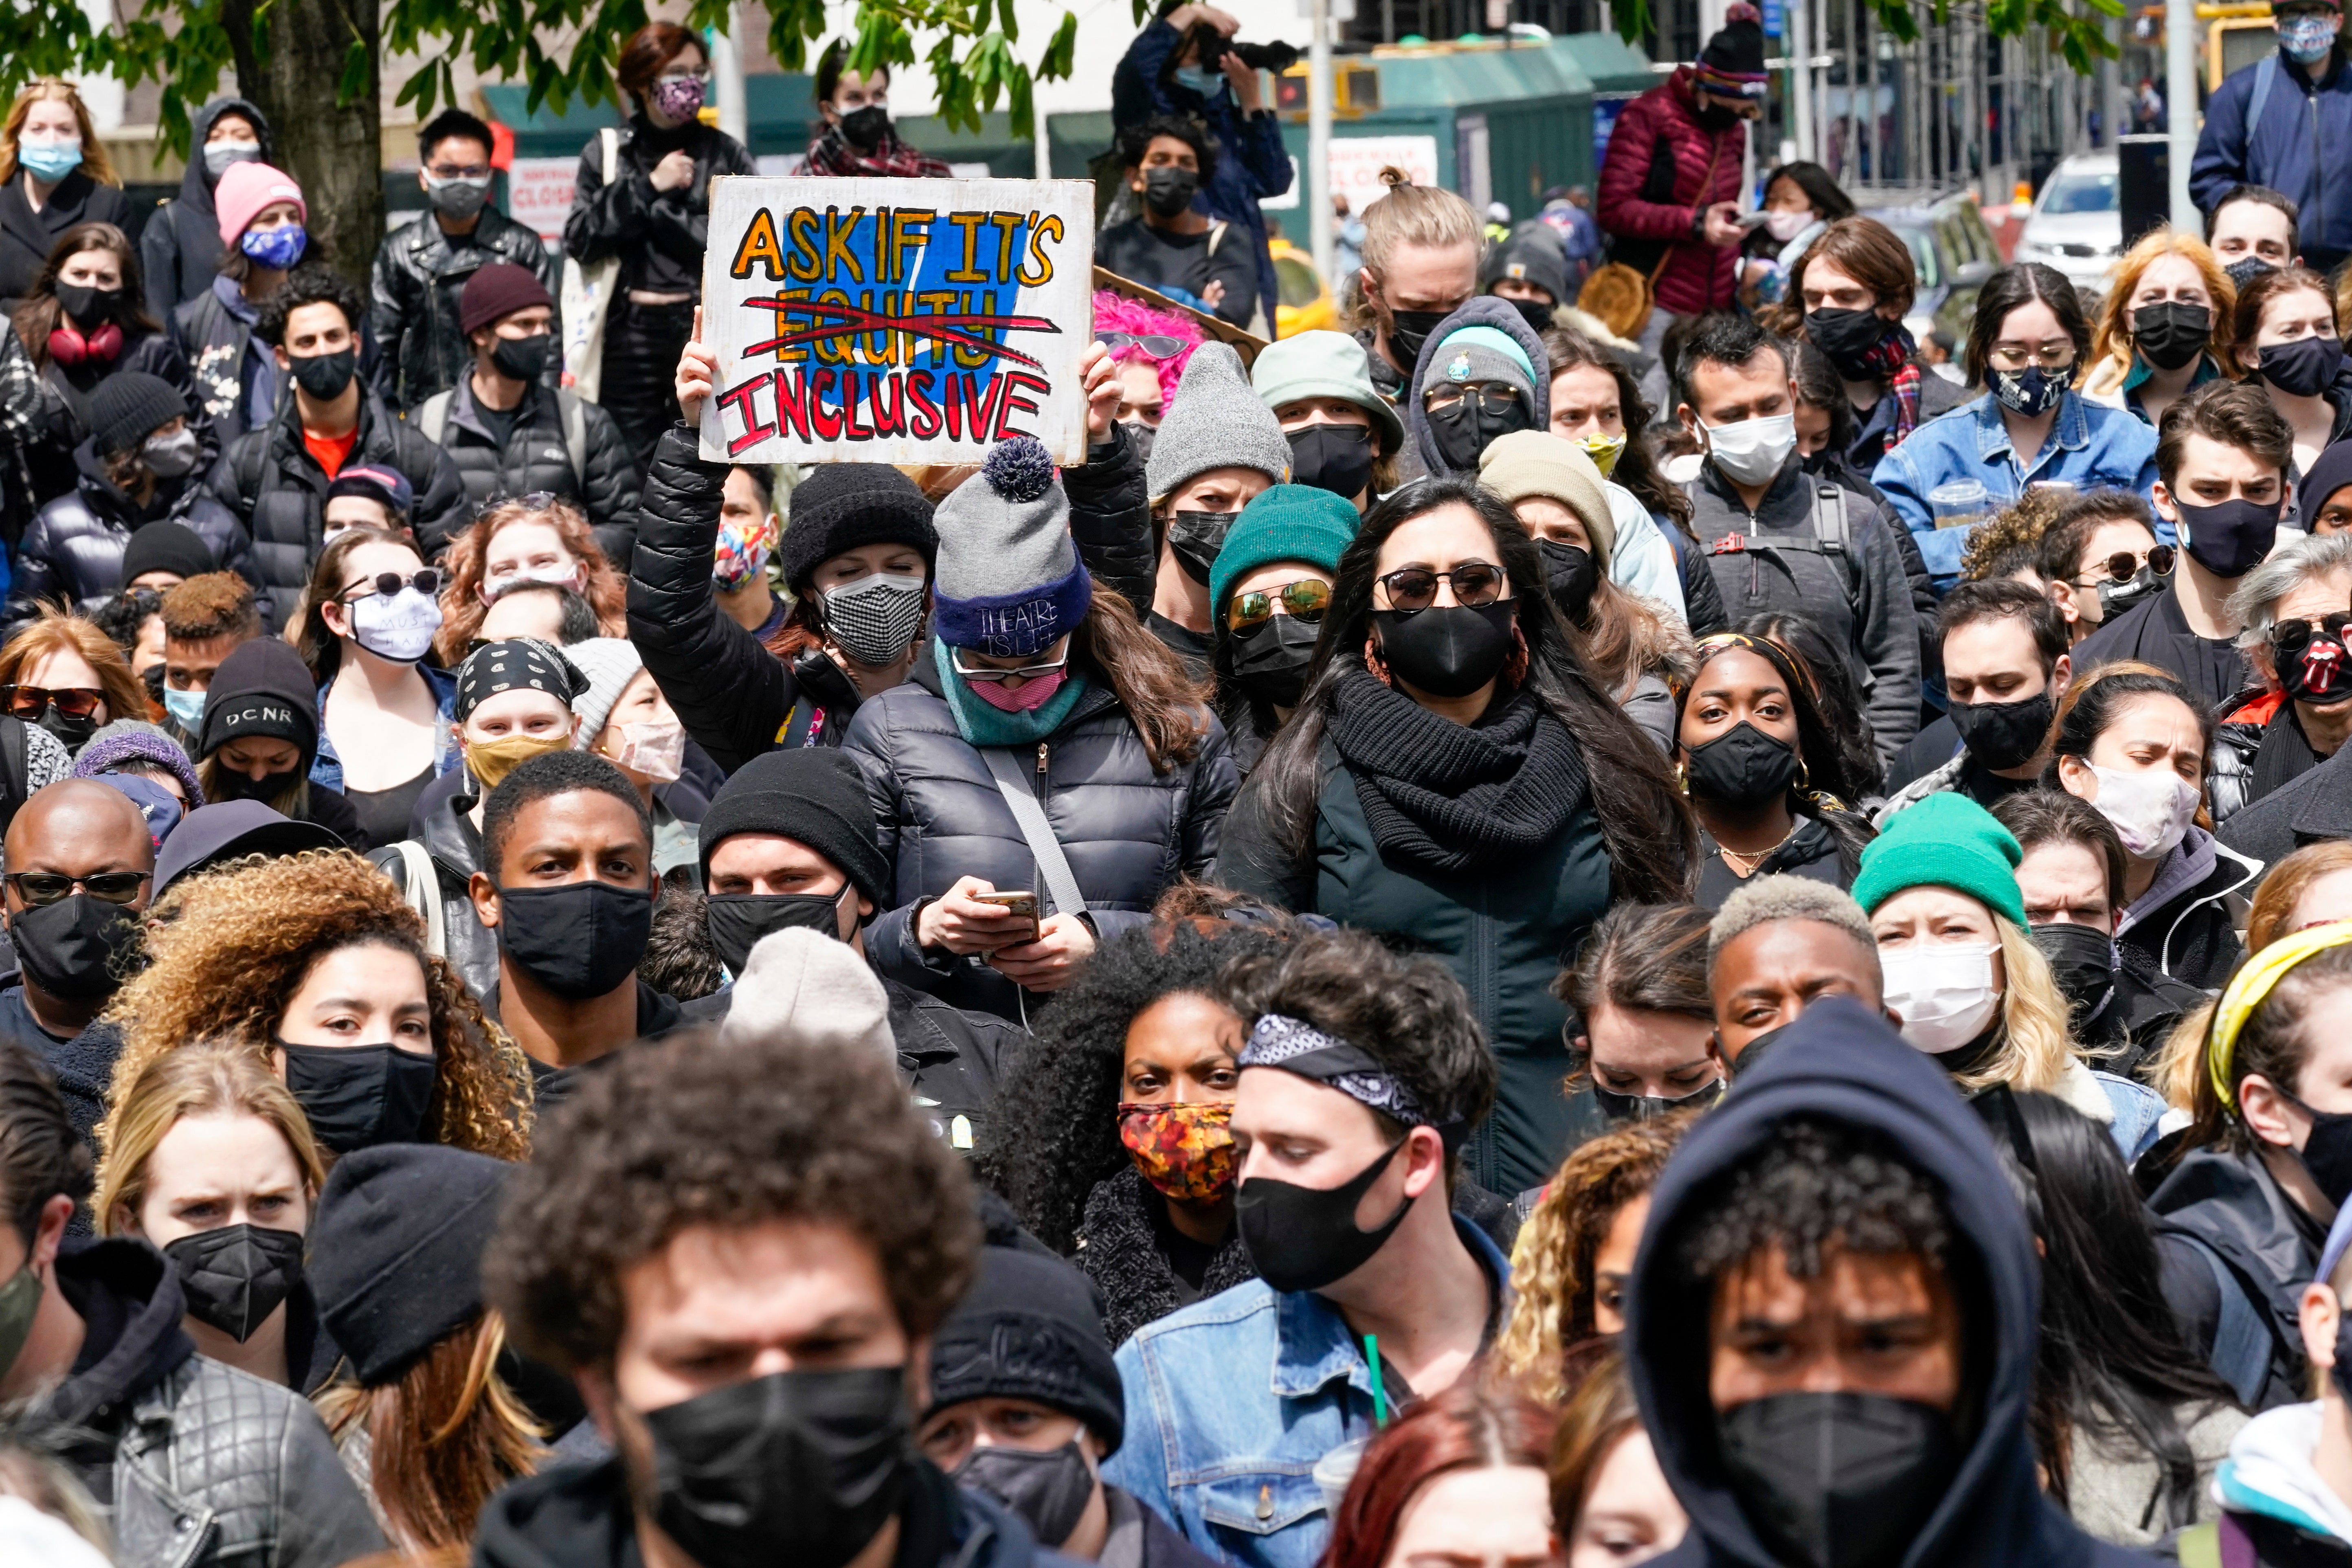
2091	446
1234	1472
328	767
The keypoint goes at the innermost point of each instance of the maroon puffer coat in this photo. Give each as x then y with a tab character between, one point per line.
1662	171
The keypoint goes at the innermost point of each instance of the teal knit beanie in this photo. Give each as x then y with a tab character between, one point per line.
1945	841
1287	522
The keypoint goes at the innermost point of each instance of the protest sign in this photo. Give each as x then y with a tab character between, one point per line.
886	321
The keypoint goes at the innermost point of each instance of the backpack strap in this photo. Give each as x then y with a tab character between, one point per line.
1833	532
432	415
421	886
2265	77
575	433
1217	235
2241	1352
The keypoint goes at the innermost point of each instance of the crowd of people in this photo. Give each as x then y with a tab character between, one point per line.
572	1003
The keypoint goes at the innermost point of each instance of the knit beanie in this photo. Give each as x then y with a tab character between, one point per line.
1009	583
1732	64
247	188
262	688
129	406
1538	463
1029	1328
1945	841
1484	354
810	795
1324	364
803	985
135	739
840	506
386	485
1217	421
609	664
1288	522
164	545
395	1251
517	662
1534	255
496	291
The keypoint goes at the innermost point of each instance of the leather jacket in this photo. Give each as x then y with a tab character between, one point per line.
413	301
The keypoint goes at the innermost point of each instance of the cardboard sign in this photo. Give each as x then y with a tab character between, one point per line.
881	320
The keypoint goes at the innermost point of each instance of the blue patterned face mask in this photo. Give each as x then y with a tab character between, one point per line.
2308	36
277	249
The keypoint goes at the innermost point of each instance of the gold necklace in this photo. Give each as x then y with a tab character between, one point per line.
1759	857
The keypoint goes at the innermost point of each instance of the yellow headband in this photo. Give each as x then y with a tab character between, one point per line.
2254	981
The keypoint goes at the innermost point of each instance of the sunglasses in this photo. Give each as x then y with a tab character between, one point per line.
2123	565
1005	677
40	888
1492	398
1159	345
1305	600
31	703
425	580
1414	588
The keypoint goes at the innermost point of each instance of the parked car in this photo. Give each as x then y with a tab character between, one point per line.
2077	223
1953	251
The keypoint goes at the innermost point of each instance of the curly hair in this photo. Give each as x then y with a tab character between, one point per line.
228	950
122	617
687	1131
2012	542
1815	1184
462	610
214	604
1553	1264
1055	1128
680	960
1117	313
312	282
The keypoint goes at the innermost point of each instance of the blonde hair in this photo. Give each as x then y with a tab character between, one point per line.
2035	1049
40	90
223	1077
2111	338
1412	215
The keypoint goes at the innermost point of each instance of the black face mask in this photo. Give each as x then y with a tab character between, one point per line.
1463	428
2303	368
2171	335
73	734
2003	735
235	785
1846	339
1535	313
2115	598
360	1095
1571	574
1271	663
1303	1238
738	921
801	1467
70	948
1051	1490
1446	650
2312	661
1742	766
1409	330
1196	537
2245	270
324	376
863	128
579	940
2082	962
2341	1372
2228	540
88	306
1167	190
1335	457
1715	116
1837	1480
1648	1107
521	359
234	1277
2327	1154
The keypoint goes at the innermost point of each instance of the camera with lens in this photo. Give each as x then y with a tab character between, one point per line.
1275	56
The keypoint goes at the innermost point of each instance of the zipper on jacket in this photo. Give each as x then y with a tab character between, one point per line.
1041	757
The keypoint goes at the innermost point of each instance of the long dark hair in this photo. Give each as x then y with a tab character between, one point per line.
1637	467
2091	703
319	647
1862	771
1652	844
1824	791
2021	283
2111	1362
40	314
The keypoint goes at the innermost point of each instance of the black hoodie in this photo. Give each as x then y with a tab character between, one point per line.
1841	1063
129	1300
180	248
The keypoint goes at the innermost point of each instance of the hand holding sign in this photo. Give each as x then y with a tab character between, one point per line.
697	368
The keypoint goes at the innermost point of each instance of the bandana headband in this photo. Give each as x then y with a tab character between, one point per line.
1296	1046
2255	980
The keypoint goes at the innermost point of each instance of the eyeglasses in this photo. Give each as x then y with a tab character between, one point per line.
1159	345
32	703
2017	356
425	580
477	172
2123	565
40	888
1305	600
1492	398
1005	677
1414	588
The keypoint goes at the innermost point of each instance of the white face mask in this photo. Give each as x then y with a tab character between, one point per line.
1943	993
399	629
2150	811
1785	226
1750	451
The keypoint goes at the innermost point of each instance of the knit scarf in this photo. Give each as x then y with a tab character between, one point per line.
831	153
982	725
1447	797
1892	361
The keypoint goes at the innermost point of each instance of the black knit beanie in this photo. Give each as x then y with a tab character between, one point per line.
813	796
1029	1328
167	546
396	1251
264	689
841	506
130	405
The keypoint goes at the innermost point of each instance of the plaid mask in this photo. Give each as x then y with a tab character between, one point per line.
1185	1149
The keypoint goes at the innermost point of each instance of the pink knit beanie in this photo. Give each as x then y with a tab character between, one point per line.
247	188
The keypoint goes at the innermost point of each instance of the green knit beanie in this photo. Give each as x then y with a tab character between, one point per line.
1945	841
1287	522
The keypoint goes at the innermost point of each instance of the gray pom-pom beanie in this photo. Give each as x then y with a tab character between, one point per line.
1009	582
1217	421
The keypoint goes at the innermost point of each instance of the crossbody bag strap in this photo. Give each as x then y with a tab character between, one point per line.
1029	815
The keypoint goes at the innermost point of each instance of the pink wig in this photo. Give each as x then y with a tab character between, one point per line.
1117	313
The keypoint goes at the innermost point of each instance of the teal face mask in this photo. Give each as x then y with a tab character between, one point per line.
186	708
20	1299
1207	83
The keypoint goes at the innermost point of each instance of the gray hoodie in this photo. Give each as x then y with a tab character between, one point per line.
1484	311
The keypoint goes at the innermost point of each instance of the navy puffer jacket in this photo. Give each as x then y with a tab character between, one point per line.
1127	831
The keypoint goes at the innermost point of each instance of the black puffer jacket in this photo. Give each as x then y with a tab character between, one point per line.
1110	517
180	248
659	235
538	457
269	481
73	552
65	395
1127	832
413	301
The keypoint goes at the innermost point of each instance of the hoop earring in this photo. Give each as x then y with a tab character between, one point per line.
1378	665
1804	778
1682	774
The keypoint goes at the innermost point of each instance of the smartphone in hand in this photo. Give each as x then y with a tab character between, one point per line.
1020	903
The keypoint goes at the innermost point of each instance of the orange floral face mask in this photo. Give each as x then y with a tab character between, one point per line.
1185	1149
